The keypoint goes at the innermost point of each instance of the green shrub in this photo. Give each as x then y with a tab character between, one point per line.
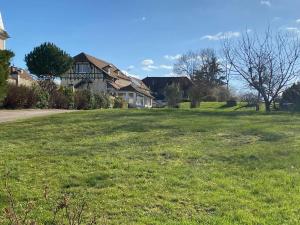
173	95
5	57
83	99
120	103
42	97
210	98
101	101
231	103
63	98
291	98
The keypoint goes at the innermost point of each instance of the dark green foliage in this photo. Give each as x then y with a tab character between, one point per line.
173	95
292	95
210	74
231	103
48	61
5	57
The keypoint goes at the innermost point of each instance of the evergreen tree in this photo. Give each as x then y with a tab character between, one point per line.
5	57
48	61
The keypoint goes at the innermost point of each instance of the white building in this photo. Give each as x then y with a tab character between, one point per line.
97	75
17	76
3	34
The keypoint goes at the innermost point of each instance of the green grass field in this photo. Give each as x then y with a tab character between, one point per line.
204	166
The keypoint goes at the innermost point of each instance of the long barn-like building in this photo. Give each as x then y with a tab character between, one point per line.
96	75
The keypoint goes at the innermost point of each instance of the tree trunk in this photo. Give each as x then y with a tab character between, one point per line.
268	106
258	102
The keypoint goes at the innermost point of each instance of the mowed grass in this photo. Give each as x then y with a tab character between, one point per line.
202	166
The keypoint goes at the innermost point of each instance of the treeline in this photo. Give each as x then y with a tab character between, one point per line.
48	95
267	64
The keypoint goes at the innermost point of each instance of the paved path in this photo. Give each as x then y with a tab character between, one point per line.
12	115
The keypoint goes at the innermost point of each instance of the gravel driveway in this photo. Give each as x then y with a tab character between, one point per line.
12	115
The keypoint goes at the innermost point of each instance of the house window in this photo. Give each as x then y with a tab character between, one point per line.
83	68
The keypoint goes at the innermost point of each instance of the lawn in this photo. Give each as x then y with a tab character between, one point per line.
204	166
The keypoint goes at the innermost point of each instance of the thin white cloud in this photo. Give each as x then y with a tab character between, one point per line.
298	21
266	3
147	62
149	65
130	74
172	57
149	68
221	36
167	67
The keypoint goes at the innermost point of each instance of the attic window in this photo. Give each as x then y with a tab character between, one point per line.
83	68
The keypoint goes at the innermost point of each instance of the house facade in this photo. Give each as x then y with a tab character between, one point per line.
98	76
19	77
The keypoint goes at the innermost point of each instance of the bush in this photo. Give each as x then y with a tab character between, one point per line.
221	93
20	97
83	100
5	57
101	101
250	98
291	98
231	103
209	98
120	103
173	95
195	104
62	98
42	97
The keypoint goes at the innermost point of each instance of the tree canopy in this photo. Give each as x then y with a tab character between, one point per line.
267	63
5	57
48	61
292	94
204	69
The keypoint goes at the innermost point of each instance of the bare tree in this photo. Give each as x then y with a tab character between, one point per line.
205	71
188	64
267	63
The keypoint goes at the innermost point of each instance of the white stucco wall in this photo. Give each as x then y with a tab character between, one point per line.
2	45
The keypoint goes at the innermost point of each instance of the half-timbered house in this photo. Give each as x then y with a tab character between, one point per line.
97	75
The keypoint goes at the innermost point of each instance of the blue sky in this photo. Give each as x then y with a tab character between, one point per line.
143	37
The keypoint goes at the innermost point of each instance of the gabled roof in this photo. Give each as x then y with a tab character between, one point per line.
121	81
21	73
101	64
